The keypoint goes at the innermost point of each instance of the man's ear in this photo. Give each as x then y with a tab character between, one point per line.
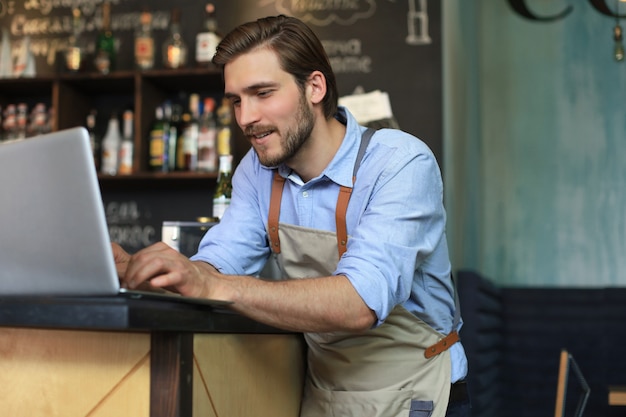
316	87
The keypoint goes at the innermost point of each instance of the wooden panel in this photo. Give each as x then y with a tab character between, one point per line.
171	362
246	374
70	373
617	395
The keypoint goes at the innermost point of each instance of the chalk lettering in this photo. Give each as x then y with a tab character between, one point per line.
45	7
417	21
7	7
300	6
349	47
22	25
351	64
134	235
125	212
325	12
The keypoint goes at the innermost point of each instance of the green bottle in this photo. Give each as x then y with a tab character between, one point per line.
105	44
224	187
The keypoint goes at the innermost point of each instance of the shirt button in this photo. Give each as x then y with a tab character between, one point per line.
305	194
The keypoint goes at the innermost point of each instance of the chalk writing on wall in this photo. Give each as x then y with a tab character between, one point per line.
48	24
127	225
348	12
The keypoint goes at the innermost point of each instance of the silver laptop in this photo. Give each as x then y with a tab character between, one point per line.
54	239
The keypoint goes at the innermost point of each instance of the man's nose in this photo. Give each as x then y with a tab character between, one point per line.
248	113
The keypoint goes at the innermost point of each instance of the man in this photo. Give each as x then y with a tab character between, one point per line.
356	228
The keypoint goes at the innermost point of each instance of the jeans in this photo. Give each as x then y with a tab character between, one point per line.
459	409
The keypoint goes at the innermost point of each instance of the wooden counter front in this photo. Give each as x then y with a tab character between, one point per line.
124	363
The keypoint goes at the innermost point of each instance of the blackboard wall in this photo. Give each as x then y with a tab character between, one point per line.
389	45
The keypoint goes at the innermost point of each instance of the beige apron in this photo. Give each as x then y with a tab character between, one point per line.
383	372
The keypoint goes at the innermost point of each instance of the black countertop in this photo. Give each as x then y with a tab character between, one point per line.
124	314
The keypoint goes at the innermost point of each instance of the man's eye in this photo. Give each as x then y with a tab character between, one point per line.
264	93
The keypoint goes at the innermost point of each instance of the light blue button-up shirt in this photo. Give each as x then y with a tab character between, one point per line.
397	251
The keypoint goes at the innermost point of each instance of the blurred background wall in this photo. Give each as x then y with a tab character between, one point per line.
535	143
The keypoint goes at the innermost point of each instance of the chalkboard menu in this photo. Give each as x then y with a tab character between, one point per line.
388	45
392	45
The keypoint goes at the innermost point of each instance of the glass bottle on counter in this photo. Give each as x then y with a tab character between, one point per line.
144	42
111	147
174	47
127	144
223	189
207	41
105	44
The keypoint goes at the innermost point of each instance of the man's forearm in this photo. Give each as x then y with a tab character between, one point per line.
304	305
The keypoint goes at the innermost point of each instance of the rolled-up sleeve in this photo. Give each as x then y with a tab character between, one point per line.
400	227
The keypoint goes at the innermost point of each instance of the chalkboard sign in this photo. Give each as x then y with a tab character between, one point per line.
135	218
388	45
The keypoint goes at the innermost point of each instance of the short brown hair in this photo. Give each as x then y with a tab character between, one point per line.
299	51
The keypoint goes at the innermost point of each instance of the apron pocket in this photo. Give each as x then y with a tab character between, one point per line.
318	402
421	408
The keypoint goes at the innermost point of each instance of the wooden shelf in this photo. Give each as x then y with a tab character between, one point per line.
158	180
73	95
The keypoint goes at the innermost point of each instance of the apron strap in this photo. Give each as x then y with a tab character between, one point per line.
346	192
445	343
442	345
272	222
340	218
342	202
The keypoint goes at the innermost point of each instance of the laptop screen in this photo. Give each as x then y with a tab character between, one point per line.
54	236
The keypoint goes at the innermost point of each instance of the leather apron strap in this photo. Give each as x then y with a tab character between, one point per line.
272	221
342	202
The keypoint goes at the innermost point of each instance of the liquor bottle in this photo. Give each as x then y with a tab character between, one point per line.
9	123
51	125
223	189
207	138
181	161
127	145
144	42
74	52
93	139
38	120
191	130
224	117
21	120
171	114
207	41
105	44
174	47
111	146
159	138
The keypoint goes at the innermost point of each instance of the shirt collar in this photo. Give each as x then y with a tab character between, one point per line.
341	166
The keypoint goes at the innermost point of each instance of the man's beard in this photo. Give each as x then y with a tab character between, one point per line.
293	138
